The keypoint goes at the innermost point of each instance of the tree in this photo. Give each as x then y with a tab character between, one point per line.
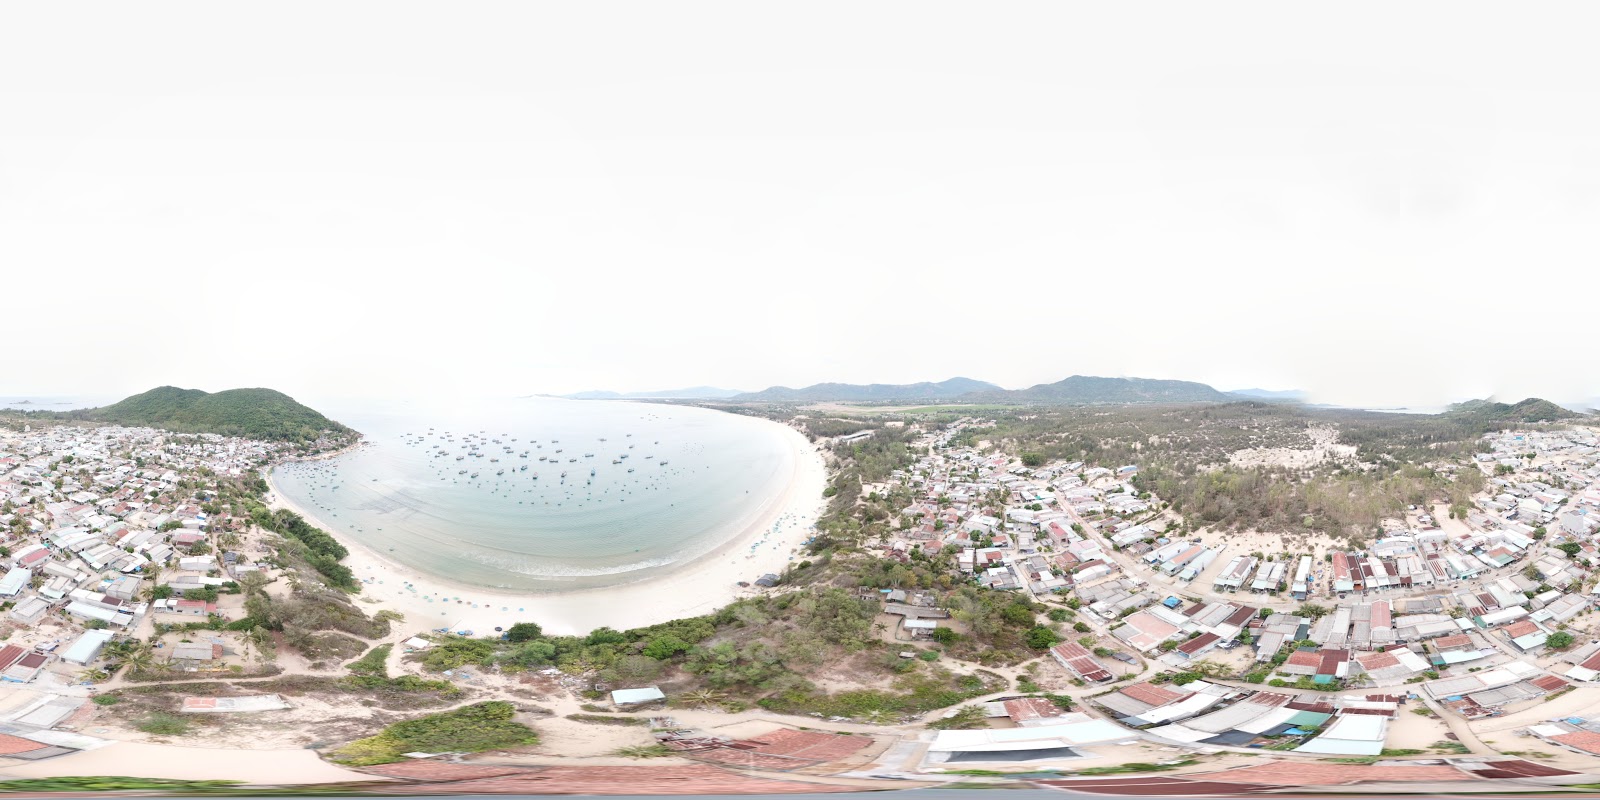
1311	610
1080	627
1033	459
1560	640
666	646
1042	638
945	636
524	632
1017	614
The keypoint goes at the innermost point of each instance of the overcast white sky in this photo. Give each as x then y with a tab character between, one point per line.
1381	203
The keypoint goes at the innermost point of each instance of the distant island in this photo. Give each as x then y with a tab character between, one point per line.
261	414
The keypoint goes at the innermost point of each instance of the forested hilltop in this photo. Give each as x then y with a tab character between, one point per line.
262	414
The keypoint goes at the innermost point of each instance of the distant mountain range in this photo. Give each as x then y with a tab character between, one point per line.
1285	395
1091	390
251	413
691	393
869	393
1076	390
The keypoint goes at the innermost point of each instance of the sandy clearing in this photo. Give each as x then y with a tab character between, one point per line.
149	760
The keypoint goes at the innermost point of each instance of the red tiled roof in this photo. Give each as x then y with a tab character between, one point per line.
10	745
1520	628
1301	773
1030	708
1587	741
1304	658
1549	683
1153	695
1376	661
1198	643
1452	642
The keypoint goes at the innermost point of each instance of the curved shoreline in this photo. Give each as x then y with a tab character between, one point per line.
699	586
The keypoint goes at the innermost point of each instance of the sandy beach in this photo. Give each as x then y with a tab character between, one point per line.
705	584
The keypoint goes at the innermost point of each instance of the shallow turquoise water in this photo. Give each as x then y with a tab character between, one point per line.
695	475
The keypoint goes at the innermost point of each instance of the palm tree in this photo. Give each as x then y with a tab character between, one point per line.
139	660
702	698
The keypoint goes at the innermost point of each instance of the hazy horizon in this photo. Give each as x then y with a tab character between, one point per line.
509	200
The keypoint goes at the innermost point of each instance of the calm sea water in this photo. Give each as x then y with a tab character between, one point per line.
647	486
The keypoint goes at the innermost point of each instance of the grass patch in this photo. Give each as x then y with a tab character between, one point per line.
1447	746
646	751
160	723
601	719
106	700
1404	751
471	729
112	784
373	663
918	694
1134	766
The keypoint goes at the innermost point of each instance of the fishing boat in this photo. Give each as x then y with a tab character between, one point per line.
501	472
663	462
462	472
616	461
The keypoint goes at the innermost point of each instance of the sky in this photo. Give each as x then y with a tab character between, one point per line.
1380	203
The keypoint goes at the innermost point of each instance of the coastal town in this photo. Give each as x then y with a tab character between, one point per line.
1447	647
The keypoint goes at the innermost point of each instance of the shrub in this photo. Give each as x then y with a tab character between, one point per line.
524	632
161	723
472	729
106	699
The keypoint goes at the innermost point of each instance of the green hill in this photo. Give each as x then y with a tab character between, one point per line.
250	413
1533	409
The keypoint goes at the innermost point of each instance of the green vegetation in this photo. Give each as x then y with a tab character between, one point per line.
1560	640
308	543
162	723
77	784
1134	766
373	662
251	413
471	729
964	718
605	719
913	695
646	751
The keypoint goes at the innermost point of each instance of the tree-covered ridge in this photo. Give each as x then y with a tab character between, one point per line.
1091	390
261	414
869	393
